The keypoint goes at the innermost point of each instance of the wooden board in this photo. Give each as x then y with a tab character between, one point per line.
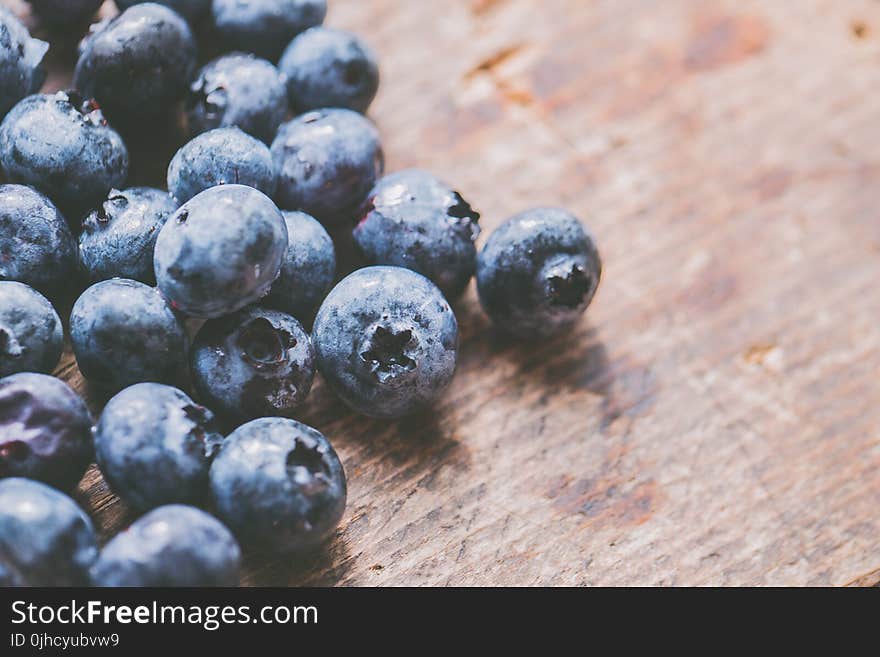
714	420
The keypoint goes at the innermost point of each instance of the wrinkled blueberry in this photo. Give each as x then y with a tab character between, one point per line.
154	446
411	219
36	246
174	545
538	272
191	10
220	251
123	332
308	270
238	90
62	145
21	59
219	157
62	13
45	430
31	337
279	485
118	238
386	341
254	363
327	161
45	538
329	68
138	64
264	27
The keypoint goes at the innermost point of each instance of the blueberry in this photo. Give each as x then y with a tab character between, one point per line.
62	145
329	68
308	270
219	157
173	545
279	485
31	337
264	27
220	251
45	538
138	64
538	273
123	332
386	341
36	246
327	161
413	220
64	13
21	59
252	364
45	430
191	10
154	446
238	90
118	238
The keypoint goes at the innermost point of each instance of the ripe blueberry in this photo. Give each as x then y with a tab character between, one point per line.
252	364
279	485
45	538
386	341
154	446
411	219
123	332
31	337
45	430
220	251
538	273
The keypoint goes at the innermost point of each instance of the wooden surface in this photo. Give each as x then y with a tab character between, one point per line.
715	418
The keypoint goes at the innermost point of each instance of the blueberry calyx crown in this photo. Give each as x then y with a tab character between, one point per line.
87	107
212	100
388	352
13	450
569	288
307	468
9	345
464	217
203	429
264	345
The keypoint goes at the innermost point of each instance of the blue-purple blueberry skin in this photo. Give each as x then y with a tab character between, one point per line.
123	332
386	341
538	272
154	445
239	90
31	336
45	538
62	145
411	219
254	363
327	161
220	251
21	61
219	157
279	485
60	13
264	27
191	10
45	430
308	270
36	245
329	68
118	238
139	64
174	545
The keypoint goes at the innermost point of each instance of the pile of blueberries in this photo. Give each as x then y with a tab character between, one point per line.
239	247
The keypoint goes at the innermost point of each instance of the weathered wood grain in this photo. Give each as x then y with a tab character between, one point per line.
715	418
